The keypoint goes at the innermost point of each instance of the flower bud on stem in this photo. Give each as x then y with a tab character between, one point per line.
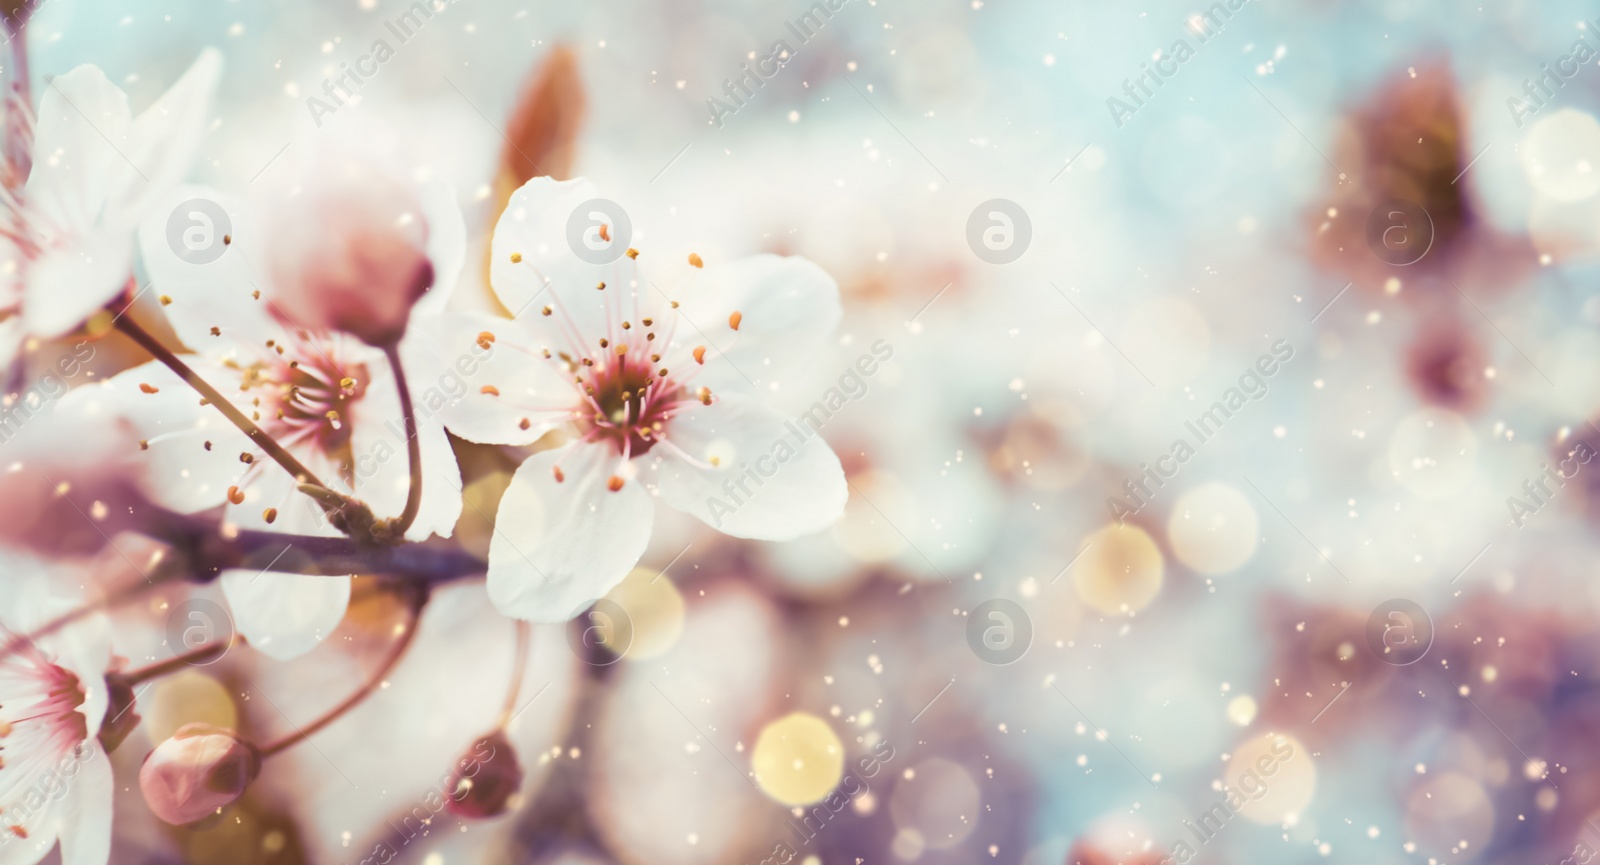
347	248
197	772
486	778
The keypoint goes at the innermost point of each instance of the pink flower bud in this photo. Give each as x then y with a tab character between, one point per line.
347	251
485	779
198	771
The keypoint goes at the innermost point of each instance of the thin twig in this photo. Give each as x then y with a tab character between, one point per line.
166	571
202	655
267	443
414	606
413	442
518	671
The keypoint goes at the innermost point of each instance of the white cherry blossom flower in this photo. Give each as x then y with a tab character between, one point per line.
328	398
67	236
655	397
55	777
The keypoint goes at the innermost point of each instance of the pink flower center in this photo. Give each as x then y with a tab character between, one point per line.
629	390
39	725
308	398
29	231
630	403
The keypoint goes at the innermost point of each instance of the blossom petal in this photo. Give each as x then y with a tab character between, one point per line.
87	187
204	286
163	140
42	827
773	479
546	270
483	388
188	454
268	486
561	544
441	491
382	469
86	823
787	308
36	596
81	114
70	283
87	654
285	615
447	244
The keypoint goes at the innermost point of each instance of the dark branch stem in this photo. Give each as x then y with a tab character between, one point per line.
415	599
201	551
209	551
127	325
413	442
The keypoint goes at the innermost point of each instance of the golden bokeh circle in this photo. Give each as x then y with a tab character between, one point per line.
186	697
1121	570
655	610
1276	775
1214	529
798	759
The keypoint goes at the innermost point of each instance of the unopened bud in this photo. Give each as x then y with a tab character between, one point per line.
196	773
485	778
348	252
